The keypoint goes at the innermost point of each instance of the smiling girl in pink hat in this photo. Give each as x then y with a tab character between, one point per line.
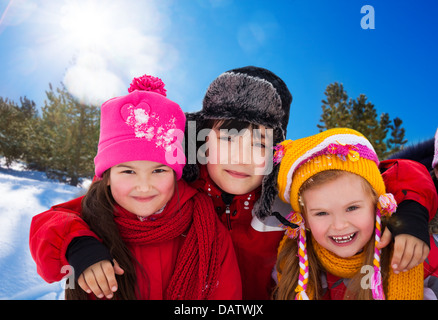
164	238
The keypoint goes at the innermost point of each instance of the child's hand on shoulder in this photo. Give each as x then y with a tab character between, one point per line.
409	251
100	279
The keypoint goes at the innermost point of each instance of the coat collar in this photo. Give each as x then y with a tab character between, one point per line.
206	184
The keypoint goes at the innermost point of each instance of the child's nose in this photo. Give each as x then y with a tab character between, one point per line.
339	222
143	186
241	149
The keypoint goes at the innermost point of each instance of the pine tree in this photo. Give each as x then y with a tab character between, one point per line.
28	108
336	108
379	136
68	135
361	115
8	143
62	141
15	124
396	142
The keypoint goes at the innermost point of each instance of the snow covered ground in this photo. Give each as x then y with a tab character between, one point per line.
24	194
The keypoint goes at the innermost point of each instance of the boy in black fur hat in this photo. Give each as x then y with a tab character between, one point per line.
247	100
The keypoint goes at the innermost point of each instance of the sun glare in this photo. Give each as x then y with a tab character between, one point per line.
101	45
86	25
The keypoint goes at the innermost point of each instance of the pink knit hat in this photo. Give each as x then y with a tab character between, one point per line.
143	125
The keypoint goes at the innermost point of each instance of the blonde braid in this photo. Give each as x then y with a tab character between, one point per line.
386	206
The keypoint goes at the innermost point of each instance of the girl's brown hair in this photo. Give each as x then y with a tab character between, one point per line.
287	262
98	213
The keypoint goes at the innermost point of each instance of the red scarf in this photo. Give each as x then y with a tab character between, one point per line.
197	267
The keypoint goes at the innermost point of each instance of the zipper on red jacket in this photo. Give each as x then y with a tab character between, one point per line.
227	198
227	212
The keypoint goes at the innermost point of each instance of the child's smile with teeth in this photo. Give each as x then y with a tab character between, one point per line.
340	214
343	239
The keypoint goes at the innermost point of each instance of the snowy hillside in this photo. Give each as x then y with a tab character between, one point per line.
22	195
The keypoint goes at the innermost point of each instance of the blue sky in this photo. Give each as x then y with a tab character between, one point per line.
96	47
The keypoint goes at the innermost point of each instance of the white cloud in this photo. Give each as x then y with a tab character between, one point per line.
101	45
114	43
90	80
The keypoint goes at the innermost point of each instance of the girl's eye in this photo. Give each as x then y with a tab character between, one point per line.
352	208
322	213
159	171
128	171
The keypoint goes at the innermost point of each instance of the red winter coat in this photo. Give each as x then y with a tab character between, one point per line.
52	231
256	241
410	180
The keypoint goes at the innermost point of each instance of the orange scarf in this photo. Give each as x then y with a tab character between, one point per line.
403	286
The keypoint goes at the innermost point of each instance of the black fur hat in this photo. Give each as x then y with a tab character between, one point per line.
251	94
422	152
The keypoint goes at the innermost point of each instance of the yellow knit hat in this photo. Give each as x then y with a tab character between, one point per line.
328	150
334	149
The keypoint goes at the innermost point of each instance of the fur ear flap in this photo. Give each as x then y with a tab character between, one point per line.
422	152
193	125
263	207
190	172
